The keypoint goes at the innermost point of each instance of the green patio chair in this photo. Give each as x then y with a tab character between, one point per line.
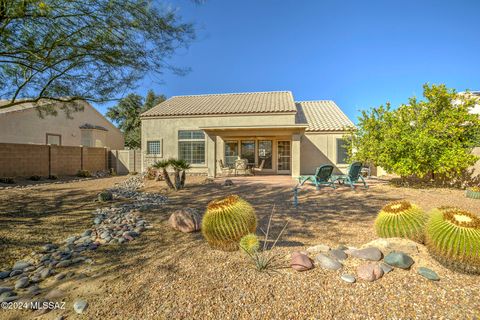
353	176
322	176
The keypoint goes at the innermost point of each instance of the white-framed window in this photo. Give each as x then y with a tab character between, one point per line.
154	147
191	146
342	151
54	139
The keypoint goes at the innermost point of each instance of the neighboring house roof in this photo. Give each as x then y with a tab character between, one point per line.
228	103
92	126
322	115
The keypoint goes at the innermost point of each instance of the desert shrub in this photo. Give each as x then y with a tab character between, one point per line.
453	238
401	219
84	174
52	177
105	196
473	193
249	243
226	221
152	173
7	180
35	178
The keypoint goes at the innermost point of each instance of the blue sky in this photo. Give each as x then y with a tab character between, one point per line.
358	53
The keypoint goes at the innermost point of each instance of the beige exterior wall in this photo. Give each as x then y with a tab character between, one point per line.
166	131
476	167
25	126
320	148
308	150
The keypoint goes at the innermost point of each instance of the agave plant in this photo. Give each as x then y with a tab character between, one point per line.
163	165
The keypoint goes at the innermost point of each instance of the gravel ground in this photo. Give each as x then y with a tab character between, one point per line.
169	275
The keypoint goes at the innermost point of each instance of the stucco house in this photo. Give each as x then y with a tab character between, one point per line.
22	124
292	137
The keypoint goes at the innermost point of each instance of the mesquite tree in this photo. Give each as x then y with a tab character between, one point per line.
64	51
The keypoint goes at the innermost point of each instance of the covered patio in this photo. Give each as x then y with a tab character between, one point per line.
277	147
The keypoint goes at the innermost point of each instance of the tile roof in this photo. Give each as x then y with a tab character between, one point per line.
322	115
228	103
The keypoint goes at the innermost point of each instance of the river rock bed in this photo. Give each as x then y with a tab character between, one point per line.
118	223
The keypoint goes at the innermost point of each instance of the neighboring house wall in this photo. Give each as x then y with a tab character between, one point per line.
166	130
25	126
320	148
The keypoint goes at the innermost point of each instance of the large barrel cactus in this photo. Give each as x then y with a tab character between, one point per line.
453	238
401	219
473	193
226	221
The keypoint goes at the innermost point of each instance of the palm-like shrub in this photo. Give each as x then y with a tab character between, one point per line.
473	193
180	167
163	165
226	221
250	243
401	219
453	238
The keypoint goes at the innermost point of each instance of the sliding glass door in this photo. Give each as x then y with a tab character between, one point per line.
265	153
248	151
231	152
284	157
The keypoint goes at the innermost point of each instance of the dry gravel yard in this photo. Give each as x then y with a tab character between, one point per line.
166	274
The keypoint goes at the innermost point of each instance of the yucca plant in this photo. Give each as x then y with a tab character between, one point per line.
163	165
401	219
266	260
226	221
453	238
473	193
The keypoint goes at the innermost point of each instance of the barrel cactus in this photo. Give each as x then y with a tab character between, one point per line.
401	219
453	238
250	243
226	221
473	193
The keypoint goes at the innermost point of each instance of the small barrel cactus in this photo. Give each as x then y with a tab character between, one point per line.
105	196
226	221
473	193
250	243
401	219
453	238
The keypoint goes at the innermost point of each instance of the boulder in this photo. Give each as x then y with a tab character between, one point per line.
80	306
300	261
399	260
348	278
185	220
319	248
369	272
327	262
337	254
228	182
371	254
428	273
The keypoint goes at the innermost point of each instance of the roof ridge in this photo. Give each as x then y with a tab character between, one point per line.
232	93
322	100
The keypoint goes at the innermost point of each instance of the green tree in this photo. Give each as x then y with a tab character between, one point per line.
127	115
434	136
64	51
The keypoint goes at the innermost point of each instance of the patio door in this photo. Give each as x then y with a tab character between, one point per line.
283	157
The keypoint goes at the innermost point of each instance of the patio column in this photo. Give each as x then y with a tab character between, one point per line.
296	155
211	156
